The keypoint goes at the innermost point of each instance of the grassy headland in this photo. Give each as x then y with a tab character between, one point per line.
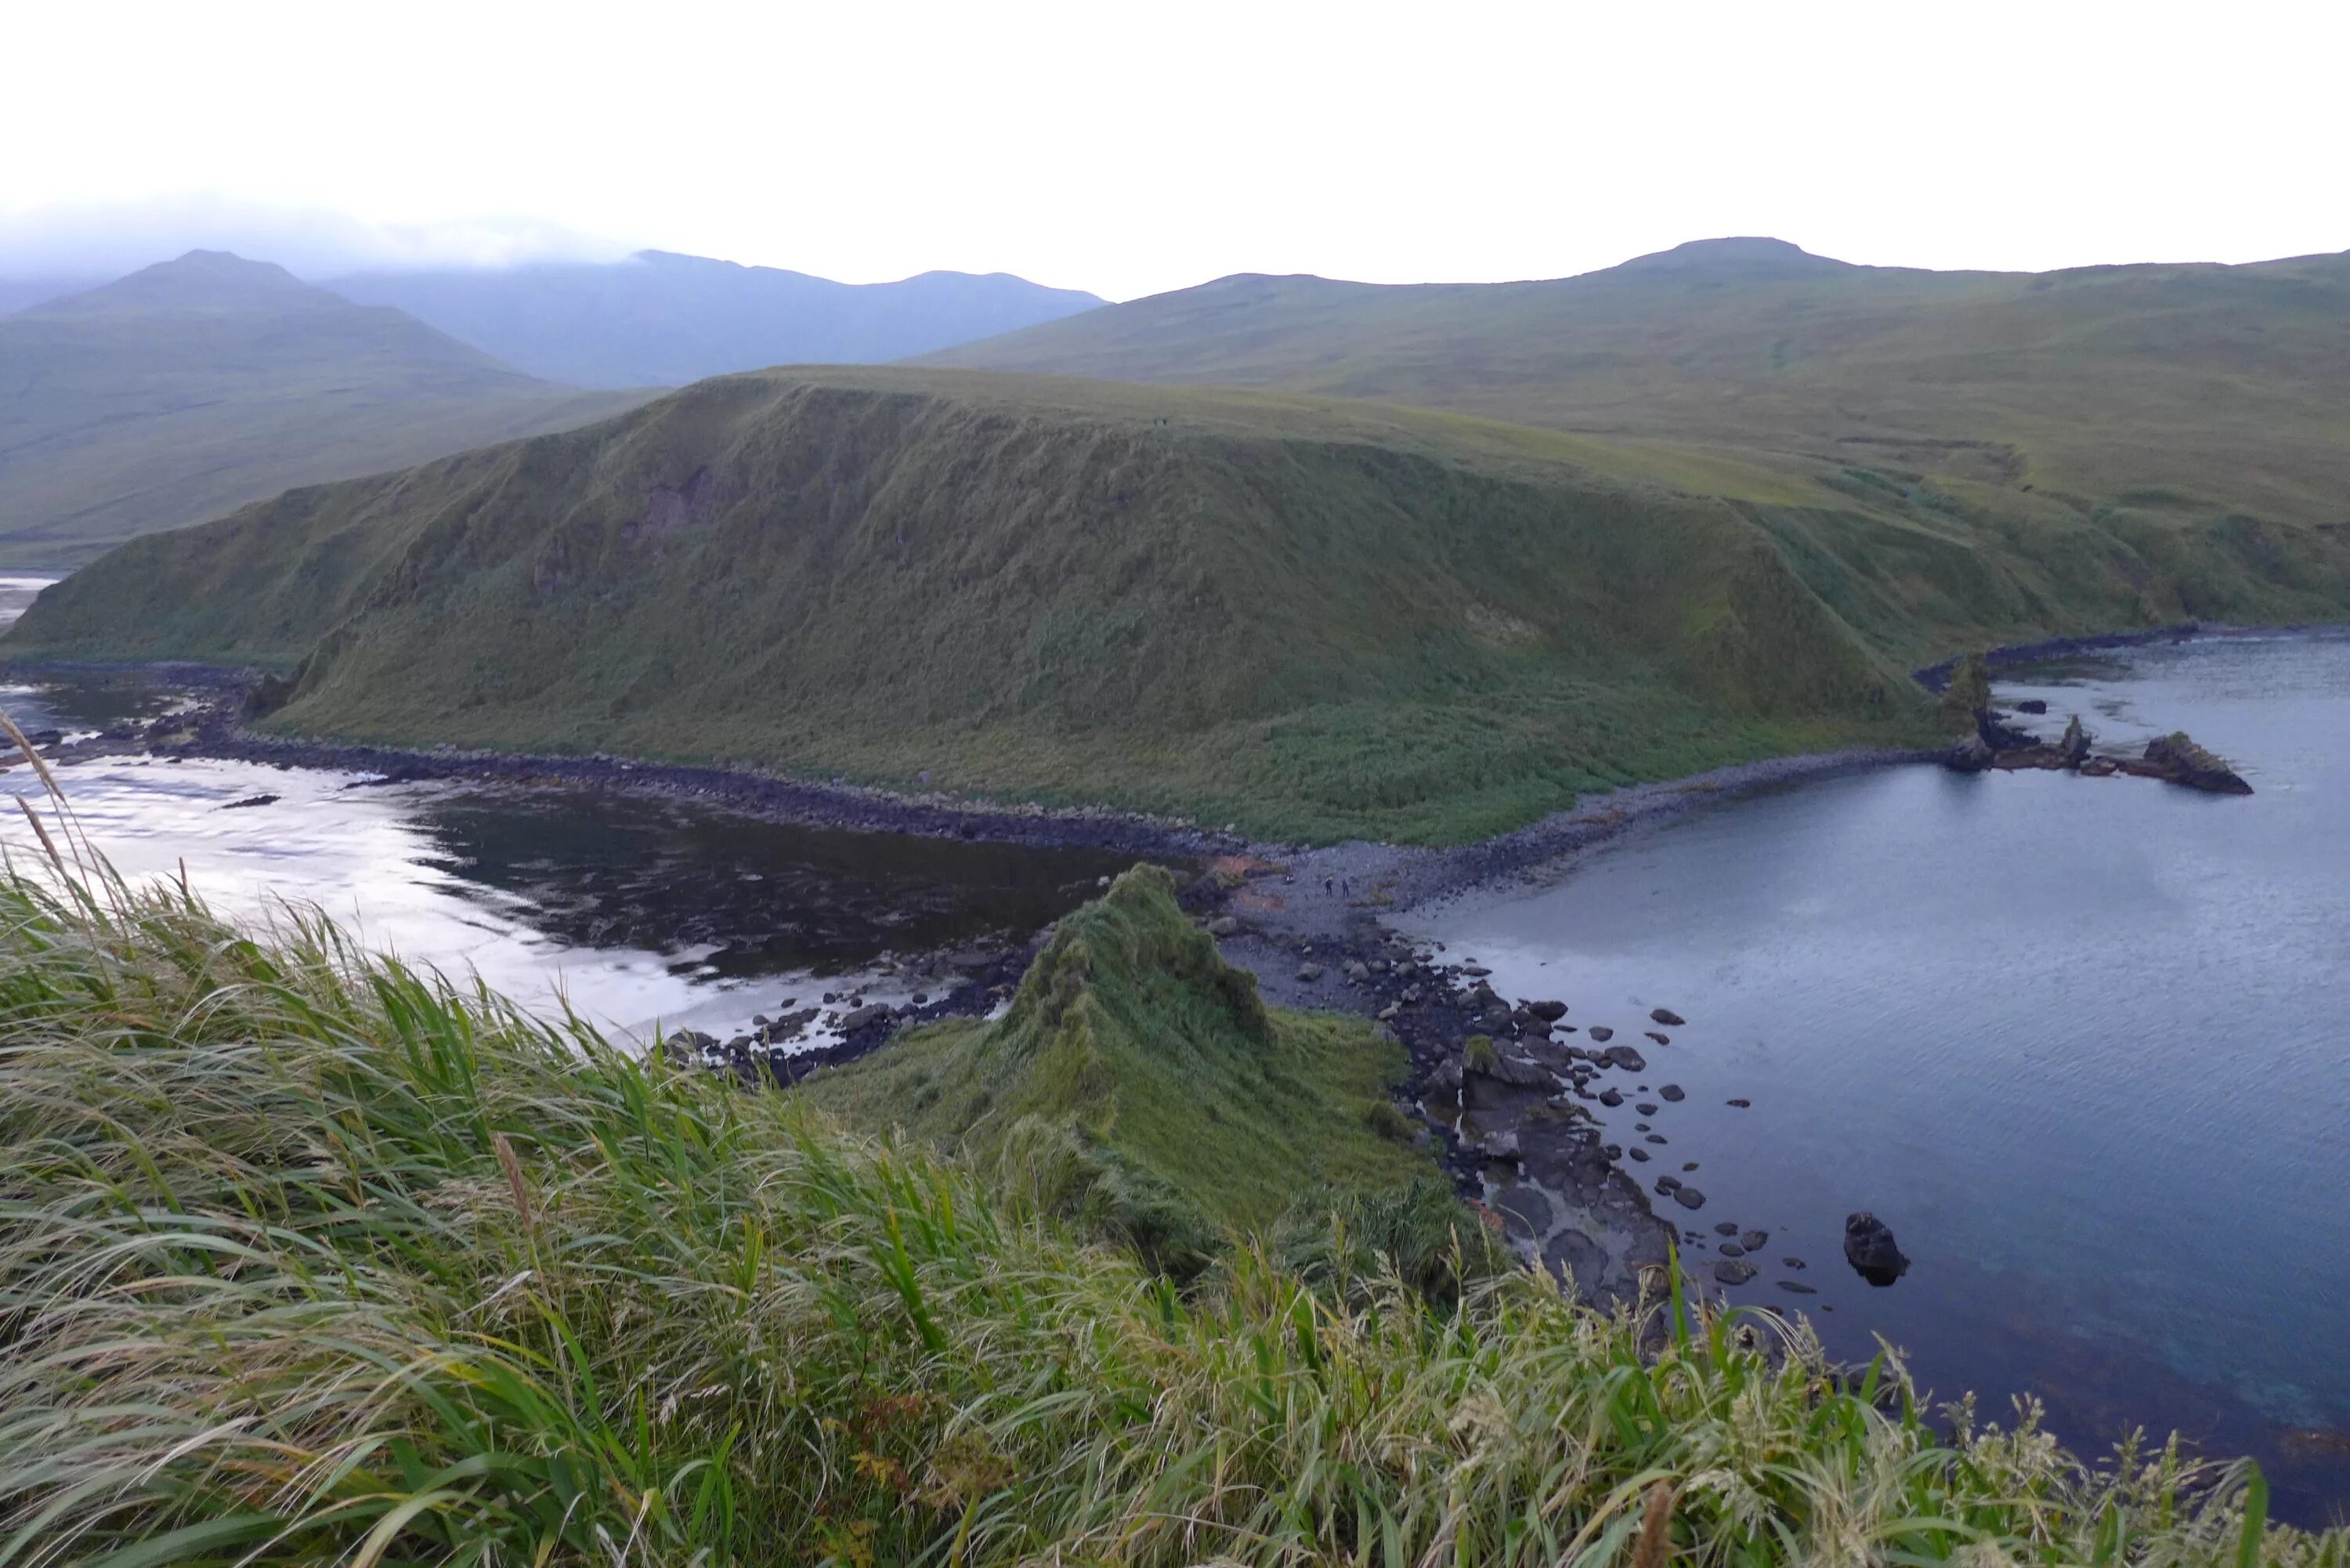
305	1257
1312	617
1139	1081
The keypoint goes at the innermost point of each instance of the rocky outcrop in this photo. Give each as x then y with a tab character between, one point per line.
2177	759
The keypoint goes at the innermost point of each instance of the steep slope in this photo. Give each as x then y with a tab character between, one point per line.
661	319
2169	391
1139	1081
1313	618
197	384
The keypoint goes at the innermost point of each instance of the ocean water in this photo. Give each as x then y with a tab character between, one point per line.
2084	1044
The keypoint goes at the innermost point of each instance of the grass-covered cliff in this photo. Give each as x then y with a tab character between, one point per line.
1139	1081
1311	617
305	1258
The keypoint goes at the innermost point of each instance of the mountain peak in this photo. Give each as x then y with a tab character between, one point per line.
200	280
1748	255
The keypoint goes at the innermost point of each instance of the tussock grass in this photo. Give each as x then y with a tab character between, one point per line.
308	1258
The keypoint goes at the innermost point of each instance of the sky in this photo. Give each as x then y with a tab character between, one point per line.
1130	149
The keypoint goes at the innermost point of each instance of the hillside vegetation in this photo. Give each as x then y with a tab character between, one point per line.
1312	617
1137	1081
2146	399
198	385
308	1258
658	319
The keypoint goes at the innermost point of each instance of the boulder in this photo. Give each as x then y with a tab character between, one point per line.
1869	1248
1523	1073
1224	926
1755	1240
1688	1197
1971	756
1548	1011
864	1017
1623	1056
2032	705
1731	1272
1672	1094
1601	1033
1666	1017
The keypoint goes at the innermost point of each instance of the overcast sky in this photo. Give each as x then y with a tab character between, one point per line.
1128	148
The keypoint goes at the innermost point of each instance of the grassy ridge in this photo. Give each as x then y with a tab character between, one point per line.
1312	619
2178	393
1139	1081
305	1257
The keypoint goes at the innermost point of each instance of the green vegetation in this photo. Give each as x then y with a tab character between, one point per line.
1968	694
1311	618
307	1257
198	385
1138	1083
2150	402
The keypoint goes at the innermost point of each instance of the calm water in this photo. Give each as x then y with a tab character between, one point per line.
2084	1044
639	912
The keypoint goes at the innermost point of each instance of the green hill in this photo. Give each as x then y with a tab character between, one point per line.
1312	616
197	384
2147	394
1139	1082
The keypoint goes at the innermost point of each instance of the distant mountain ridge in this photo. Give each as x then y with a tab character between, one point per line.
659	319
193	385
2172	390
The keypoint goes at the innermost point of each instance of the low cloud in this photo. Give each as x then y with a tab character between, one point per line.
107	241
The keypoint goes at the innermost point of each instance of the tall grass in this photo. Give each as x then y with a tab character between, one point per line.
306	1257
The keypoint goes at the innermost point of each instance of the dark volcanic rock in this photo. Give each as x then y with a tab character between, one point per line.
1795	1289
2182	762
1971	756
1742	1104
1869	1248
1733	1274
1689	1197
1637	1153
1623	1056
2032	705
1666	1017
1755	1240
1672	1092
1601	1033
